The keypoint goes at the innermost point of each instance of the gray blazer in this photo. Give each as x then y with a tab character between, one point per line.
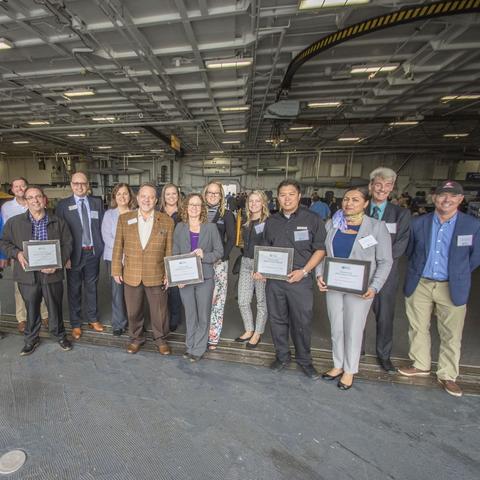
379	255
209	241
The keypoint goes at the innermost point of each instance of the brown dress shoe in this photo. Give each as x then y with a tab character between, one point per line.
21	326
133	347
97	326
76	333
413	372
451	387
164	349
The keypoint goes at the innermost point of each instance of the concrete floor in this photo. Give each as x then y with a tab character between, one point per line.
321	329
99	413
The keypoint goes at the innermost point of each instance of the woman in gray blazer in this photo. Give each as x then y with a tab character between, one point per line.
194	234
352	234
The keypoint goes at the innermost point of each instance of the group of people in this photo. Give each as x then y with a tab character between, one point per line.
135	235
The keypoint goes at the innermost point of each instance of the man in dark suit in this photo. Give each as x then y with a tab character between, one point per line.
84	215
397	220
36	224
443	251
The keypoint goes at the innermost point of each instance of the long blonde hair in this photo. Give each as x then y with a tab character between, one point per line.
265	213
162	196
221	204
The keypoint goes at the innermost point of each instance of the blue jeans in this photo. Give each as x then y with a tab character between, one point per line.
119	311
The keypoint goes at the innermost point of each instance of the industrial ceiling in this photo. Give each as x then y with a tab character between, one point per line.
117	76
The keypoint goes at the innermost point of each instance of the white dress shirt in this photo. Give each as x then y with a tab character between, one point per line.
145	228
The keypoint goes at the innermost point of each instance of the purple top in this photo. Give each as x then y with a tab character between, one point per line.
194	240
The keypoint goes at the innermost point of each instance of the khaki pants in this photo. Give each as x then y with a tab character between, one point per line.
21	311
434	297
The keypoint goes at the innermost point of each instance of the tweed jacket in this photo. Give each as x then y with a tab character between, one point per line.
379	255
209	241
142	265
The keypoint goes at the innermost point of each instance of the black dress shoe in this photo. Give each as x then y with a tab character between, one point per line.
195	358
310	372
118	332
387	365
342	386
277	365
65	344
251	346
329	378
29	348
2	335
241	340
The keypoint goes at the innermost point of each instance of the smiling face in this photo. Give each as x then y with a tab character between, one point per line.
213	194
35	201
380	188
353	202
18	188
194	207
146	199
255	204
288	198
446	204
122	197
171	196
79	184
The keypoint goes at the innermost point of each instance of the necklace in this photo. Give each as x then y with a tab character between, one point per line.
355	218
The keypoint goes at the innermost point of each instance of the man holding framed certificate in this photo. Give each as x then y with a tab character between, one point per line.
297	230
40	244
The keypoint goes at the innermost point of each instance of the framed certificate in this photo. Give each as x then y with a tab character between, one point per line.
42	254
273	262
345	275
183	269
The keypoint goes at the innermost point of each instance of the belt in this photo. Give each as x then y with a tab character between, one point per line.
433	280
87	249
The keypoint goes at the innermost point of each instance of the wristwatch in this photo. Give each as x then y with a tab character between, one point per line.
305	273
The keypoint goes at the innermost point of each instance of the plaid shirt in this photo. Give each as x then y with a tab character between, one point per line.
39	227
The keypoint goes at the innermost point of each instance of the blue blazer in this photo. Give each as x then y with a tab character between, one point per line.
461	260
73	220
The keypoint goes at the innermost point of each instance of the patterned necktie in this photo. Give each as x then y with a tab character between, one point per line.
86	238
376	213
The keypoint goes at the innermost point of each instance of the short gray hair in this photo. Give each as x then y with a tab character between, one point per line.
383	172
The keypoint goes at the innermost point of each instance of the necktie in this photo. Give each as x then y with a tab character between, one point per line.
376	213
86	238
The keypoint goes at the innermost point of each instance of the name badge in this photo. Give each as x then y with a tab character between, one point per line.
72	207
221	222
132	221
367	242
301	235
464	240
302	228
391	227
94	214
259	228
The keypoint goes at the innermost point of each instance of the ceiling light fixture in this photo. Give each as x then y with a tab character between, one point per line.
79	92
228	63
300	128
216	151
280	140
5	44
39	122
157	150
130	132
227	142
349	139
311	4
404	123
103	119
62	153
374	69
76	134
239	130
472	96
455	135
104	147
136	155
240	108
20	142
323	104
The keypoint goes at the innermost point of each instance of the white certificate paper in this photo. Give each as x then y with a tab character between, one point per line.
345	275
183	269
272	263
42	255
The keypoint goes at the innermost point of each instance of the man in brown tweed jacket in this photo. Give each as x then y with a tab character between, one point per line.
143	239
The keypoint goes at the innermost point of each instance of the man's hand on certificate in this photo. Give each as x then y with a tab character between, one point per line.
295	276
322	286
198	252
258	276
22	260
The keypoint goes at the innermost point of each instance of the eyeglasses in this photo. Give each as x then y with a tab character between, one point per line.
196	205
214	194
79	184
36	197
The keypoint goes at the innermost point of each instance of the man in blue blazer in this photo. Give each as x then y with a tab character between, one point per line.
84	215
443	251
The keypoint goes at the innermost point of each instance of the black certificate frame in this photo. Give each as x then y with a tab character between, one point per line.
287	250
193	281
366	274
33	243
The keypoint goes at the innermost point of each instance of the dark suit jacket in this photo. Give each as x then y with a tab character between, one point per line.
461	260
209	241
19	229
402	218
73	220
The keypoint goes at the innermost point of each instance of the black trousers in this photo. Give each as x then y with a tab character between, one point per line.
84	274
290	311
384	309
32	296
174	307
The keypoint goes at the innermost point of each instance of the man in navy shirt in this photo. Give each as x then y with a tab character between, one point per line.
443	251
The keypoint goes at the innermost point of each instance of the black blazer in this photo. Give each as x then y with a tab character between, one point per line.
402	218
226	229
73	221
19	229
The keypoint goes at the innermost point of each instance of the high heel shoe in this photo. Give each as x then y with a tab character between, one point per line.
251	346
342	386
241	340
329	378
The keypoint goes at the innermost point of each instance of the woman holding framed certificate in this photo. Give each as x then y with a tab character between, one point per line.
252	233
358	261
195	235
169	204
